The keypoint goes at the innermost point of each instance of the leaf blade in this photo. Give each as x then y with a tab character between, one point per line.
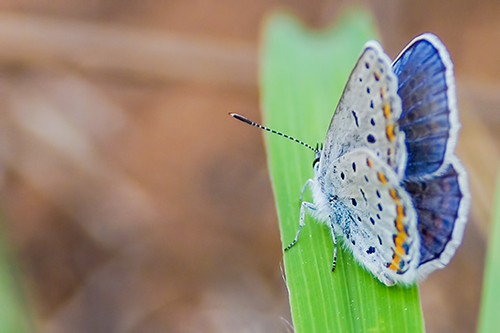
302	77
489	321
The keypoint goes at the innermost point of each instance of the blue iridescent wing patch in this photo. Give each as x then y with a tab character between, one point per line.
442	204
430	116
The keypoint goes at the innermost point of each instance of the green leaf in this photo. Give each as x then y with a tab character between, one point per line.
14	313
302	76
489	320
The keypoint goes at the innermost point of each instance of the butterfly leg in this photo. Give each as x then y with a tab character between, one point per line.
305	205
334	239
304	189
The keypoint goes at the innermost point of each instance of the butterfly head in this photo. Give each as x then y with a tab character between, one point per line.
317	151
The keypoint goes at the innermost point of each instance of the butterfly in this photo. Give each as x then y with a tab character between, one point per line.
386	179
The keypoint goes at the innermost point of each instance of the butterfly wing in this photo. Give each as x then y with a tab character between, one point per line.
374	213
430	115
367	113
442	204
434	177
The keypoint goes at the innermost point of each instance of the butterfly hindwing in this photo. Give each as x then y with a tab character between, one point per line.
374	213
442	205
367	113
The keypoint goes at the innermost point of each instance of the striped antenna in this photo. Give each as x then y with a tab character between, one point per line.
249	122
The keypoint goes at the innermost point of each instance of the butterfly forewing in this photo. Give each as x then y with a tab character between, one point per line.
430	115
367	113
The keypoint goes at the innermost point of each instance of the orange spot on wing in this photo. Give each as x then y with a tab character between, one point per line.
377	76
387	110
395	262
399	241
394	194
382	178
399	226
389	131
393	267
401	211
369	162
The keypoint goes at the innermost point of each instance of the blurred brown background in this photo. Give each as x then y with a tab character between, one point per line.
135	204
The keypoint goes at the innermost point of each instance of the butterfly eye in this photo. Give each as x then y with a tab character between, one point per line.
316	160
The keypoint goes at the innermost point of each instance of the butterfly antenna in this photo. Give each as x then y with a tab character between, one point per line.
249	122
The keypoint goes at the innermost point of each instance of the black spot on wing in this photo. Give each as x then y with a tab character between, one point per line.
363	193
355	118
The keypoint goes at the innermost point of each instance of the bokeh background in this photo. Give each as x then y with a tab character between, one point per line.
133	203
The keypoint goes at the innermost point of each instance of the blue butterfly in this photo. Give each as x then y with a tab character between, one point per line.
387	179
